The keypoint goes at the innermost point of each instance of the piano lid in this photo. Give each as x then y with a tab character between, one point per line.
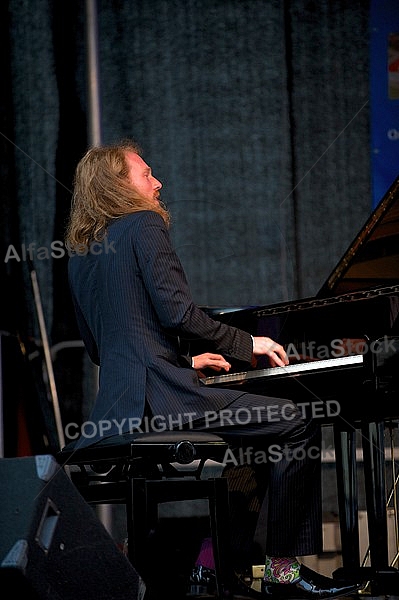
372	260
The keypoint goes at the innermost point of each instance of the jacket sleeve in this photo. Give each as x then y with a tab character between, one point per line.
166	283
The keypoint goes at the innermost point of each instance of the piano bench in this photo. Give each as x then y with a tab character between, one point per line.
143	470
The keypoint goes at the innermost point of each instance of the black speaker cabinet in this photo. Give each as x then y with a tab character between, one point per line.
52	545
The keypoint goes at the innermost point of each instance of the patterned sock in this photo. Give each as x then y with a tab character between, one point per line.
205	557
281	570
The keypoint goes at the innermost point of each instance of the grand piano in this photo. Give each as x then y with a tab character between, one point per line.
343	346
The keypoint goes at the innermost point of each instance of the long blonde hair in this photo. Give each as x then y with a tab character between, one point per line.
102	193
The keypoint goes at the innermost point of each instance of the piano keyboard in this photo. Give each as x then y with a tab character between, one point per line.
288	371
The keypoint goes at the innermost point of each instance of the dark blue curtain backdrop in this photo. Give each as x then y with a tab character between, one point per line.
254	113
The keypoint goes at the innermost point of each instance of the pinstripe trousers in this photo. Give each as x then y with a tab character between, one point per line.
274	462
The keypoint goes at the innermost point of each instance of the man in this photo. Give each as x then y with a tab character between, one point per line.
135	312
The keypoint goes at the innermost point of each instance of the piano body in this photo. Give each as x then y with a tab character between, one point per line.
343	346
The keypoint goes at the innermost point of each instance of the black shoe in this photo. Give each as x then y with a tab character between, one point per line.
202	581
309	585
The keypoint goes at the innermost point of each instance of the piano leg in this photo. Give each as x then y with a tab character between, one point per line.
374	479
347	490
382	578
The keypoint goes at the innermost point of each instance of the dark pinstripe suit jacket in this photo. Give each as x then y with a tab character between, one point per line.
132	305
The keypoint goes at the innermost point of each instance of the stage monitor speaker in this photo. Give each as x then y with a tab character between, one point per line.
52	545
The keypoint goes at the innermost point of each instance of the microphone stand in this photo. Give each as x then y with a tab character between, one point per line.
47	356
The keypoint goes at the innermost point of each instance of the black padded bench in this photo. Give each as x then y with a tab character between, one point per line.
143	470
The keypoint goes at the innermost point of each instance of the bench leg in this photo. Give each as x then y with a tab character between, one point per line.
220	528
